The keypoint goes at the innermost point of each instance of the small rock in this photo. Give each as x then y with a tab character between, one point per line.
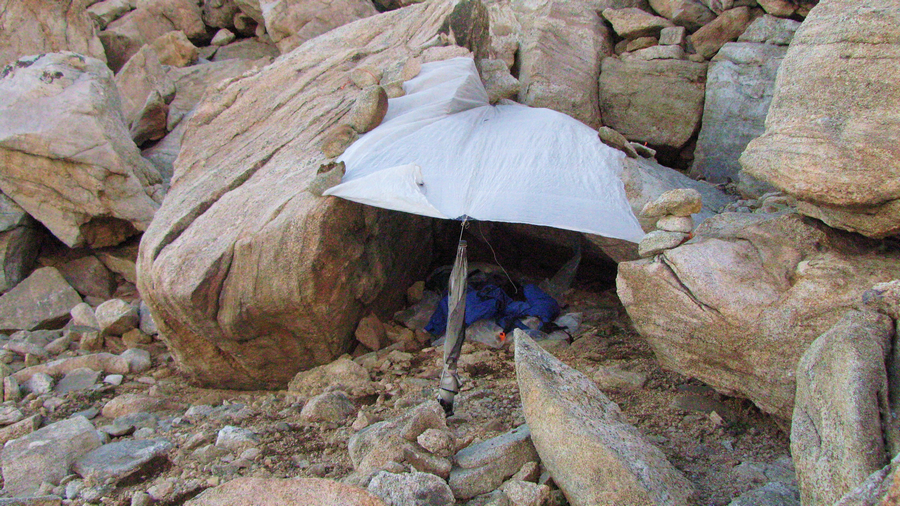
76	381
39	384
59	345
523	493
11	389
682	224
116	317
618	378
364	77
658	241
631	23
138	360
410	489
332	407
135	338
343	374
19	429
438	442
370	332
337	140
424	462
673	36
222	38
148	324
531	471
235	438
616	140
113	462
10	415
127	404
677	202
484	466
369	109
701	404
114	379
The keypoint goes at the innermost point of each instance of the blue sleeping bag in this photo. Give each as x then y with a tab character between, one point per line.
491	302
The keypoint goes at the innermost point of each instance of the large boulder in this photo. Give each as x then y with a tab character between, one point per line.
281	288
560	51
592	453
739	87
834	146
151	19
659	102
841	413
293	22
74	167
756	289
29	27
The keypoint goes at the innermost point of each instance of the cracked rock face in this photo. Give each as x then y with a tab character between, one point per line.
74	167
831	130
250	277
738	305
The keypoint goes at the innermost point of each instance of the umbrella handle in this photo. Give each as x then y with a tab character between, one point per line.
450	384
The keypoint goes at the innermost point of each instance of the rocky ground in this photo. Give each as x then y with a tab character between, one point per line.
724	446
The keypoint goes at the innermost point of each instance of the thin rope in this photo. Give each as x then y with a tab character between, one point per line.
511	282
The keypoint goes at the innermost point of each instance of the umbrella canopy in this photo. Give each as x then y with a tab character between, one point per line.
443	151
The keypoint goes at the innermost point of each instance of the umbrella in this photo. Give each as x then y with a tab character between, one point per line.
444	151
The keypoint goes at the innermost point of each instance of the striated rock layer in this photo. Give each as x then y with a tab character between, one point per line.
738	305
249	276
831	131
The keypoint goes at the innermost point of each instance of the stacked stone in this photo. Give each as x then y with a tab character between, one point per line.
673	210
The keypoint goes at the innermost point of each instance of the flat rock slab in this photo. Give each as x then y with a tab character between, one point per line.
46	454
115	461
484	466
43	300
590	451
277	492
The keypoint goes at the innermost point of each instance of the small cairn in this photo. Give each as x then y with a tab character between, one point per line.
673	210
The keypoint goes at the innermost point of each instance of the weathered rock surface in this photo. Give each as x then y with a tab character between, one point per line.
561	45
43	300
150	20
632	23
343	374
659	101
276	492
281	289
89	277
19	247
739	87
691	14
770	30
834	147
46	454
881	488
291	23
414	489
92	188
376	446
725	28
146	90
590	451
842	417
29	27
484	466
114	462
755	288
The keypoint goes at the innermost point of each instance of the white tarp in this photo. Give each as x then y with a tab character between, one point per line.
444	151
